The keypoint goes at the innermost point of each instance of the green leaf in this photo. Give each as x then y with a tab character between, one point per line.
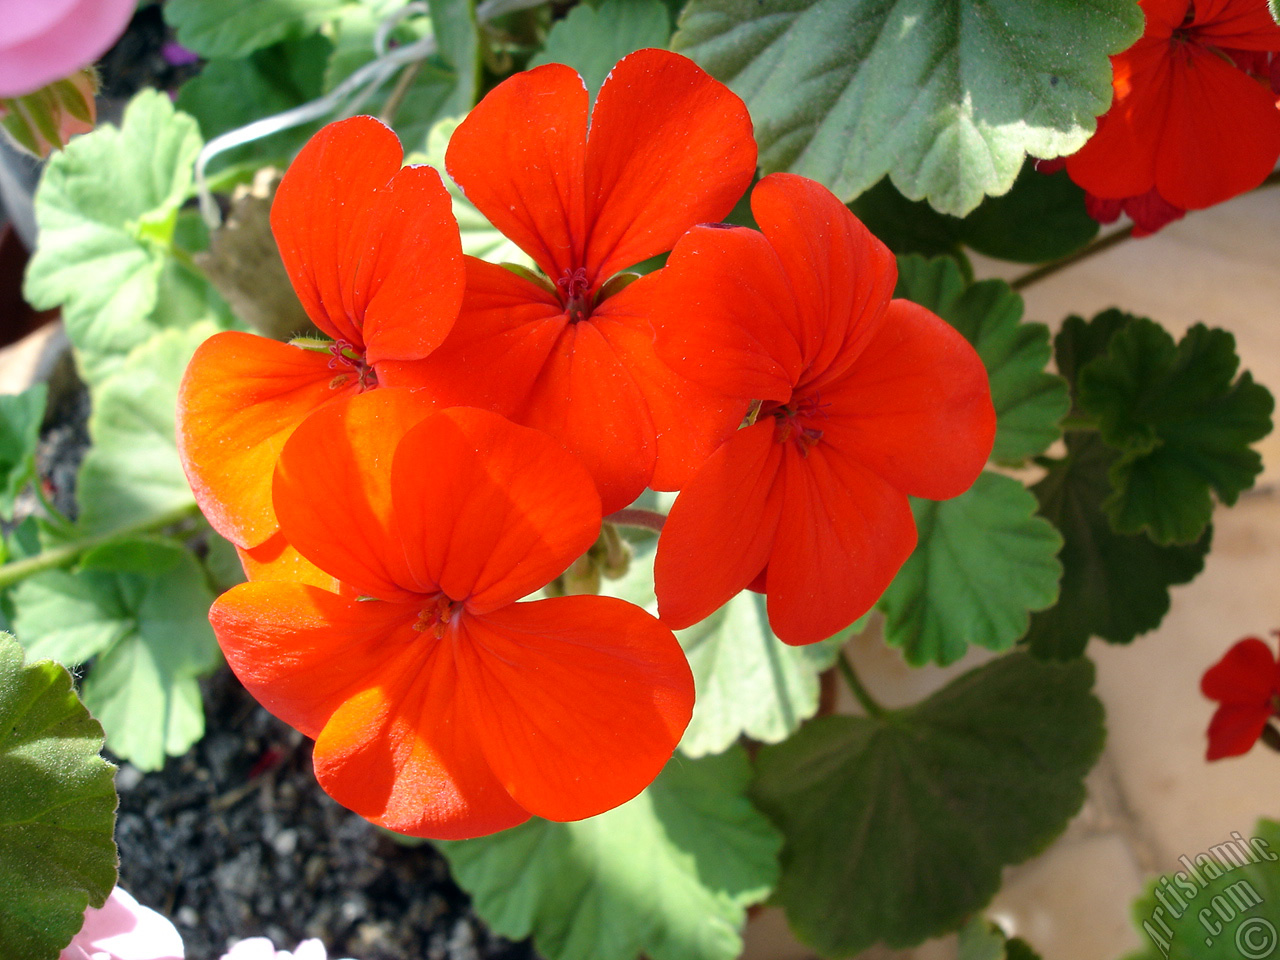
236	28
1182	422
1030	403
947	97
57	809
1274	7
20	418
446	83
1041	218
984	561
106	207
132	471
1114	586
980	939
668	874
897	827
1225	904
748	682
1079	341
479	237
150	633
229	93
592	39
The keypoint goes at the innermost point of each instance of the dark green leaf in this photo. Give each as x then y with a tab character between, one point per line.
1114	586
906	226
980	939
57	809
1042	218
150	633
984	561
668	874
897	828
1182	422
235	28
1080	341
946	96
20	418
592	39
1029	402
1224	906
230	93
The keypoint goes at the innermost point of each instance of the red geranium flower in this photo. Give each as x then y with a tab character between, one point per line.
373	252
864	401
439	705
668	147
1194	119
1246	684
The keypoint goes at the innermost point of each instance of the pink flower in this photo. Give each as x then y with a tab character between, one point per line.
44	41
123	929
260	948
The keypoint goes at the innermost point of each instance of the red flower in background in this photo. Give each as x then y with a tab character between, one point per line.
1194	119
373	252
439	705
1246	684
668	147
865	400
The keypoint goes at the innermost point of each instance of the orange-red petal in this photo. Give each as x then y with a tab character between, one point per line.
841	277
319	213
487	510
720	531
915	408
332	491
241	398
843	534
277	559
578	701
669	147
302	651
520	157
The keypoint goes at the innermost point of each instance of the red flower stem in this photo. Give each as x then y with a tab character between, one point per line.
869	703
1100	245
645	519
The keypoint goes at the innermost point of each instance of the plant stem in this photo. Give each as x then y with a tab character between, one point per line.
1100	245
58	557
1077	423
392	106
850	675
645	519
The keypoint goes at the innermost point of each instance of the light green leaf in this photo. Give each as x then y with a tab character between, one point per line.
1274	7
150	633
983	563
1030	402
1227	902
748	682
897	827
479	237
20	418
229	93
132	471
1114	586
1183	423
446	83
106	208
57	809
669	874
235	28
945	96
592	39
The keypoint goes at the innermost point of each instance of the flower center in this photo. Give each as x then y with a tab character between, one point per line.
575	293
346	357
436	616
793	421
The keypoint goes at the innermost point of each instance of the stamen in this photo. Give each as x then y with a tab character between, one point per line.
574	287
343	353
792	421
436	616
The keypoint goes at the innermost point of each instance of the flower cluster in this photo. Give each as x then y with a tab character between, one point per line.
455	444
1194	118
